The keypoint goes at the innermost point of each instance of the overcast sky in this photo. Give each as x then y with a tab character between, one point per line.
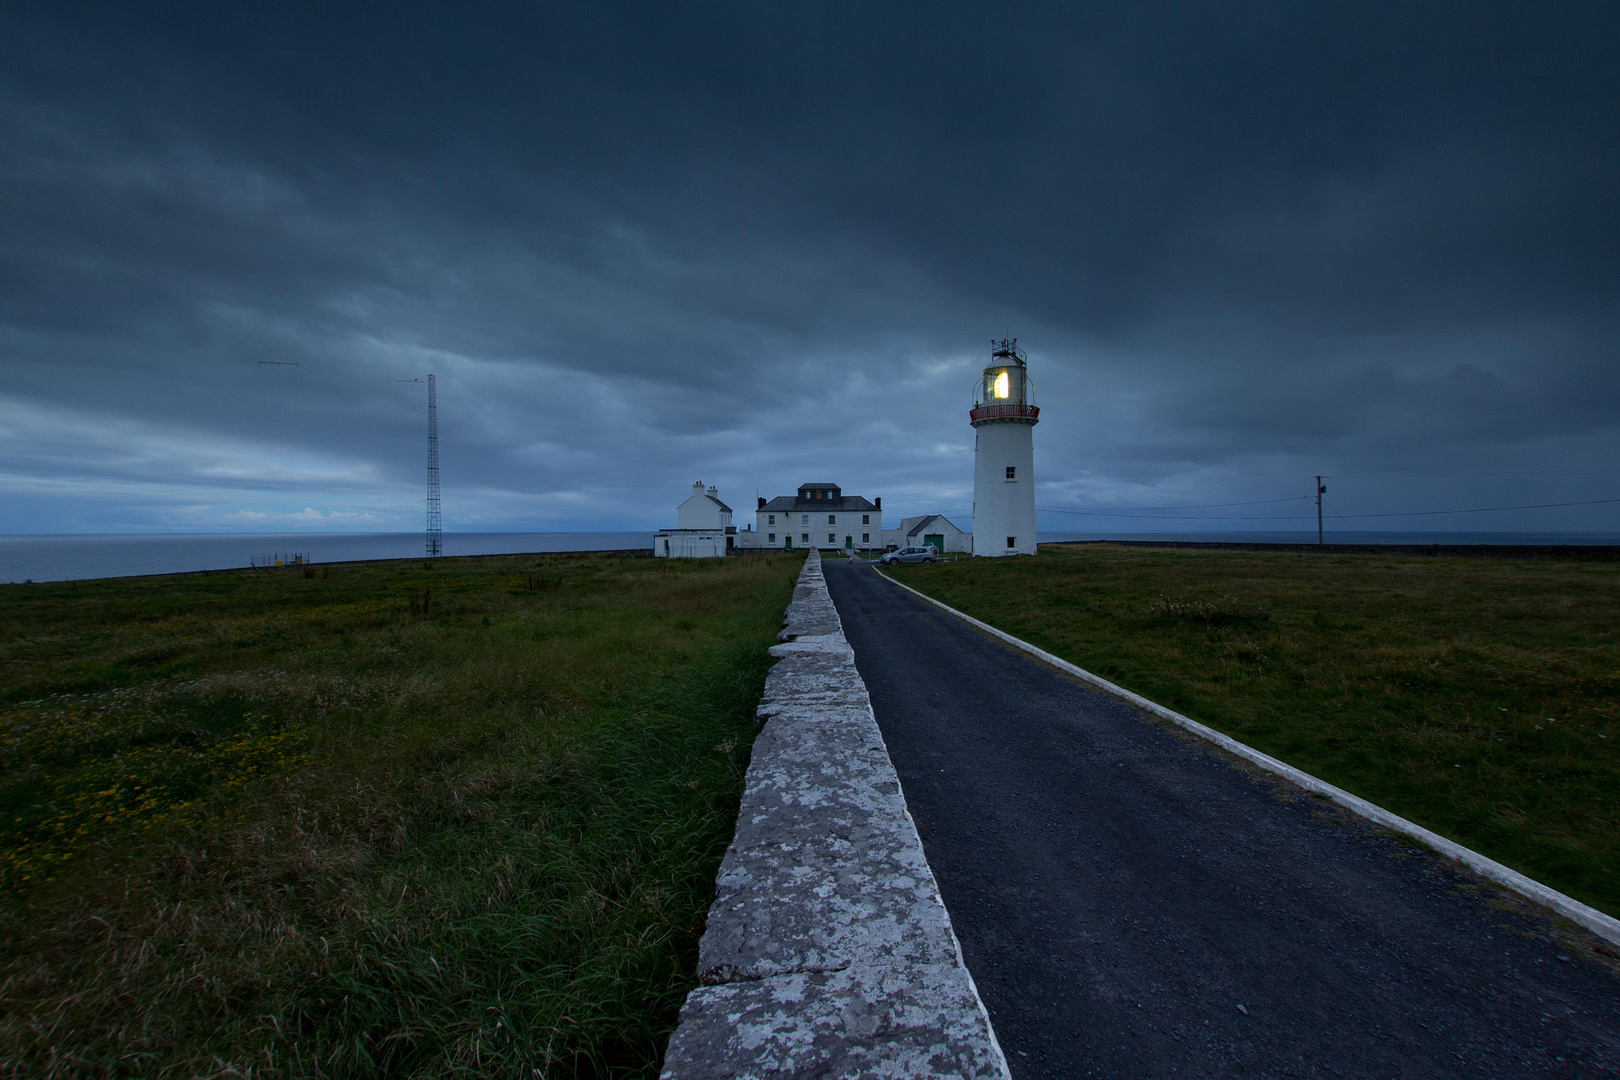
763	244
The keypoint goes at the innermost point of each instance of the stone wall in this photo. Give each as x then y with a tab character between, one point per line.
828	951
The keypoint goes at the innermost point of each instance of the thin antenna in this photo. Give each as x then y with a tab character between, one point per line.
435	525
1007	349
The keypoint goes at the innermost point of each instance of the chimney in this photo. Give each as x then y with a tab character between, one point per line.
877	503
714	492
762	502
697	487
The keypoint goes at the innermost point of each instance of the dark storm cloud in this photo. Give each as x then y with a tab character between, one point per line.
1245	244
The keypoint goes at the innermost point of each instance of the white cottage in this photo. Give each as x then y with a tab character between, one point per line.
703	528
933	529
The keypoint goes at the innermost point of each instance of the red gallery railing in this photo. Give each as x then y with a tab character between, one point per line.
1004	412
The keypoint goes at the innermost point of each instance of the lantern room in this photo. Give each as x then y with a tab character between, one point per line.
1004	391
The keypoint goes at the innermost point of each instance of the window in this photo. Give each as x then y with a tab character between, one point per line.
866	519
772	539
1012	541
832	519
770	519
804	538
1010	470
832	539
804	519
866	538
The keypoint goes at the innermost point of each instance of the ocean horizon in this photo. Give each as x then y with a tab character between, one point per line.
87	556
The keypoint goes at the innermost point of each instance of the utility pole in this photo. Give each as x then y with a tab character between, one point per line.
435	526
1321	489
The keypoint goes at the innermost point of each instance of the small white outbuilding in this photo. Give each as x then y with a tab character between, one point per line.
933	529
703	528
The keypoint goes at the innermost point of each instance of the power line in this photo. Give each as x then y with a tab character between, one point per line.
1304	498
1195	506
1181	517
1483	509
1465	475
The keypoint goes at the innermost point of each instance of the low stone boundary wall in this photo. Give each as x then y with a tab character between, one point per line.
1600	552
828	951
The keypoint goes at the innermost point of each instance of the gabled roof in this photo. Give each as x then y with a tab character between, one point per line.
787	504
927	521
711	498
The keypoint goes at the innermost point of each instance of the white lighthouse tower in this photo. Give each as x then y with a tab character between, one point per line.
1004	417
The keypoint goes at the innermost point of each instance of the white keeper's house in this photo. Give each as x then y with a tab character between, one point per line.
703	528
819	516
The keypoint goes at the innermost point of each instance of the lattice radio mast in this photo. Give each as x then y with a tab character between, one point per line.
435	524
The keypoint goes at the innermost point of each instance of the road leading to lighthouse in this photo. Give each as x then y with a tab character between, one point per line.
1131	904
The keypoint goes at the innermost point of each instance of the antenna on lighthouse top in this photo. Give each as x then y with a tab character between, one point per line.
1007	349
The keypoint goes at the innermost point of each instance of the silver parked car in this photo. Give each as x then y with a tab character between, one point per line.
925	553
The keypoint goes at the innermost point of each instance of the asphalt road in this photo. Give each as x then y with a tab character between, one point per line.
1131	904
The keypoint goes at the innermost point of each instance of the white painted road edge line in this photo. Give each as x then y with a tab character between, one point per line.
1570	908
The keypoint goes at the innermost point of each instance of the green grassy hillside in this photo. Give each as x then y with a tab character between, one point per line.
1477	697
393	819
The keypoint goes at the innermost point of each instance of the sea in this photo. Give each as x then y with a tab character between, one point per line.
84	556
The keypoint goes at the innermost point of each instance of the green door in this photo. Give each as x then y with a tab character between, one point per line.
787	541
849	543
937	541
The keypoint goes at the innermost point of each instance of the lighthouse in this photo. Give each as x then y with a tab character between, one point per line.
1004	416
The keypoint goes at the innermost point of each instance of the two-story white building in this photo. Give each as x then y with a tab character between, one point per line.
703	528
819	516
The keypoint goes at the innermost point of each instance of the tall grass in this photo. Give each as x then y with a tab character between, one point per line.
271	825
1478	697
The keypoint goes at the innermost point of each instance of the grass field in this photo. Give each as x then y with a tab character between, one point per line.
1477	697
401	819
